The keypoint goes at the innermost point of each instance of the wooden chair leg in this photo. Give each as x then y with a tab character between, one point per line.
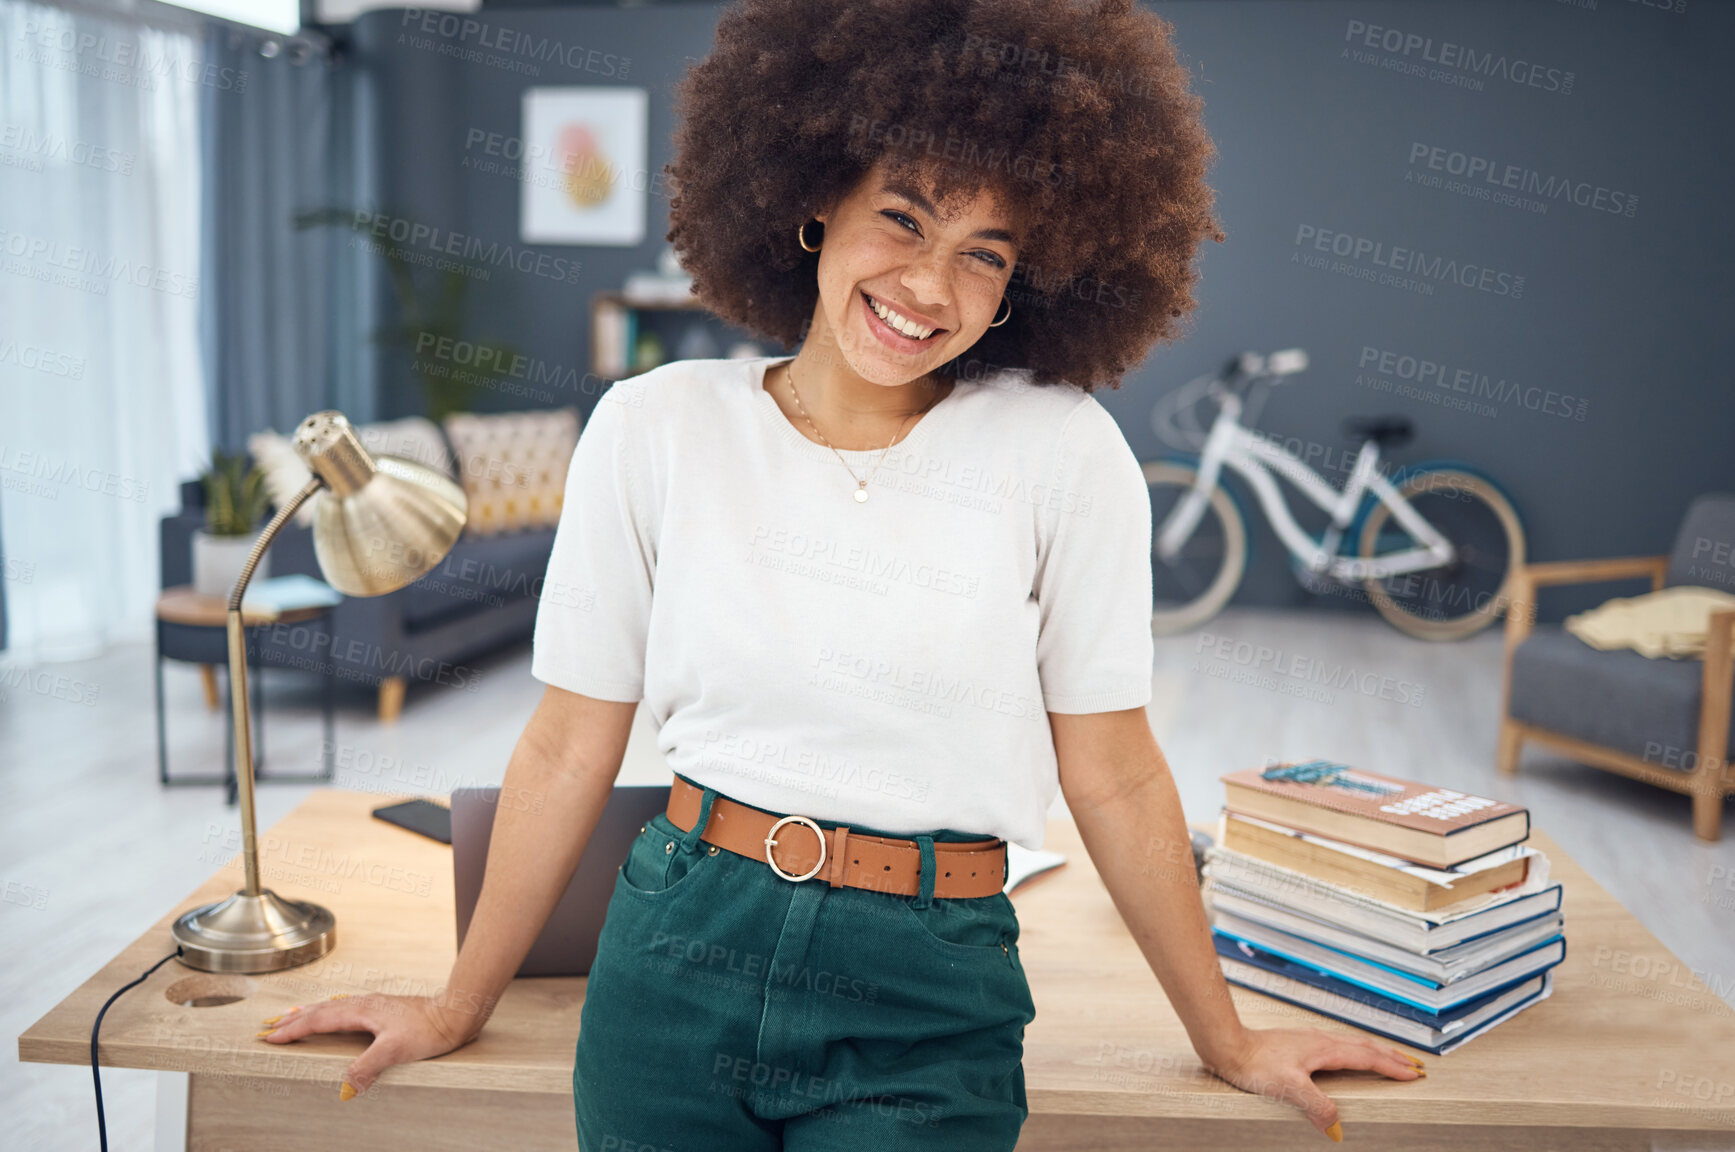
1511	748
208	676
391	698
1708	816
1717	682
1520	618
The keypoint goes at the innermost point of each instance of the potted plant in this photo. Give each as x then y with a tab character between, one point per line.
235	498
430	320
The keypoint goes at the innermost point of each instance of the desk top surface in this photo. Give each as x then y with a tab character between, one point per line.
1630	1038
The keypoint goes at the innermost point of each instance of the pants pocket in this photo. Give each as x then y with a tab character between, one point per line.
657	865
976	928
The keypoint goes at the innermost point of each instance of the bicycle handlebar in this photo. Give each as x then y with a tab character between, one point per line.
1238	375
1249	367
1287	362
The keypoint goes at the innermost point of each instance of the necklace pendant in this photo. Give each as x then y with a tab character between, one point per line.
861	494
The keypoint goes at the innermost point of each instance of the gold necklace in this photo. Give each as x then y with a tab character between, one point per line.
861	494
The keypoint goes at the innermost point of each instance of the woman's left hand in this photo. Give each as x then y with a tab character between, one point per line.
1279	1063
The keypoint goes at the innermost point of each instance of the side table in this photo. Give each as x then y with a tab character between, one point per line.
194	628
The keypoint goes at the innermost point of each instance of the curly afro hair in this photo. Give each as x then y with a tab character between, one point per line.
1078	115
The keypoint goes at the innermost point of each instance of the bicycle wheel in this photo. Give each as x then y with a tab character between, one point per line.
1194	586
1457	599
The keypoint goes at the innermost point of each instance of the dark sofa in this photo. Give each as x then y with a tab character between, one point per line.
482	596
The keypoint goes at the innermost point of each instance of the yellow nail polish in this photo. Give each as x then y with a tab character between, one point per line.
1336	1131
273	1020
347	1092
267	1032
1421	1075
339	996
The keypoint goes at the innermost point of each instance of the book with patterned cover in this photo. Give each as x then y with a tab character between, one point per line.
1421	822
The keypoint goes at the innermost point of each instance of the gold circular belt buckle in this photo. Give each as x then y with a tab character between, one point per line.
771	840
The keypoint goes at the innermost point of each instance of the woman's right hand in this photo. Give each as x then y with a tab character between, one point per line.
404	1028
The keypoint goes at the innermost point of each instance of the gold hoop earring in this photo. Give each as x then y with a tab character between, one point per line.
996	323
801	236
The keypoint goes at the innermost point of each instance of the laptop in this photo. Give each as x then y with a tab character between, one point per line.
567	945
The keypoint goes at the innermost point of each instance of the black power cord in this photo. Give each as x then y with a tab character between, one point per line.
96	1074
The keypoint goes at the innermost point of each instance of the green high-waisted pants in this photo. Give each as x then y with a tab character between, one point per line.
732	1010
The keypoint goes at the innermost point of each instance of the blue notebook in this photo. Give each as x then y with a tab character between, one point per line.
1437	1033
1395	987
287	593
1256	957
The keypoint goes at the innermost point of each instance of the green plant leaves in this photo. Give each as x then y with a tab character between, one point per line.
235	496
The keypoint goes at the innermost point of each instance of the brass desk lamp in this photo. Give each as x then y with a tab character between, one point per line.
379	523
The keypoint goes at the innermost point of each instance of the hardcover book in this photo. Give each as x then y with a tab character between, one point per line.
1438	1033
1387	981
1375	874
1428	931
1418	822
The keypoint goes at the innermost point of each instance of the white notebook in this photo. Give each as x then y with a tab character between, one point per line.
1022	864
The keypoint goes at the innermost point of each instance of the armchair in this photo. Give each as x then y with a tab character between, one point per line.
1666	722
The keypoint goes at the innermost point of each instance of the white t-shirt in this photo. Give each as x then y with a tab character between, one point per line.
888	664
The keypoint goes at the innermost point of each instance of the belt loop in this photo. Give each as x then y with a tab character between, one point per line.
690	838
925	897
839	850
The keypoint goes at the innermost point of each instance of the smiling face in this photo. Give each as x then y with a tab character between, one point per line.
903	288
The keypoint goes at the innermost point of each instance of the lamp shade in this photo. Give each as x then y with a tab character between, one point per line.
380	522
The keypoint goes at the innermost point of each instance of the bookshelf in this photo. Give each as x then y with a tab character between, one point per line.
617	319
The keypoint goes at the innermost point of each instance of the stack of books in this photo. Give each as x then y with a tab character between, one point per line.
1415	912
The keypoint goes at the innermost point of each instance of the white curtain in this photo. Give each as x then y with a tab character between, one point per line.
102	408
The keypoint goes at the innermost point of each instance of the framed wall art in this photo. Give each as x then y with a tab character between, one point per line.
584	166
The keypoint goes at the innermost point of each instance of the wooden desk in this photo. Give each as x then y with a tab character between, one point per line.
1630	1043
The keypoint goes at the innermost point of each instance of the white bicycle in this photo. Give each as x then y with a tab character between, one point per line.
1433	545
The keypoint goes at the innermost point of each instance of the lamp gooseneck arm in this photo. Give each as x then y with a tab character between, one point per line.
238	682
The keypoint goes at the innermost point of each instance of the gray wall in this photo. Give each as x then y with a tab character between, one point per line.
428	105
1606	404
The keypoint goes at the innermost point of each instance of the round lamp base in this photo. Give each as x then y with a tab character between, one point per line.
263	933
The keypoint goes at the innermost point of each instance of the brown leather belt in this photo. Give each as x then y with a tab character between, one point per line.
805	849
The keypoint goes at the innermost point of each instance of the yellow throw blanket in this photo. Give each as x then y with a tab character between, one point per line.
1671	622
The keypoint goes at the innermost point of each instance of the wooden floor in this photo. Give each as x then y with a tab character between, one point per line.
91	849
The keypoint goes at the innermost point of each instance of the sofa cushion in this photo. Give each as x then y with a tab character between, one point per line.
1618	699
513	466
1669	623
479	572
413	438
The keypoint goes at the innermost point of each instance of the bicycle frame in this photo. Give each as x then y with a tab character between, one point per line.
1255	458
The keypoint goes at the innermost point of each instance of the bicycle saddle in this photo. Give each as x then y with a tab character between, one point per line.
1386	431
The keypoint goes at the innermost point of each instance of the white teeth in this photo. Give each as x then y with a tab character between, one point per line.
901	322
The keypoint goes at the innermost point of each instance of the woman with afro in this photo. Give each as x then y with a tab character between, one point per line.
884	597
